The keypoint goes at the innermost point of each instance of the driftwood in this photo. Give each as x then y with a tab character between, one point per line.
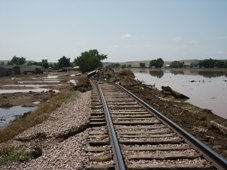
220	127
170	91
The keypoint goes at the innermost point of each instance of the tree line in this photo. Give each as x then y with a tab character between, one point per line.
87	61
156	63
90	60
206	63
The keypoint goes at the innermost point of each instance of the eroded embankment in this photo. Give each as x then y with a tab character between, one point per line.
59	138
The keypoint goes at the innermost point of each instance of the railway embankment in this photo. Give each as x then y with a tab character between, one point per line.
56	143
202	123
59	141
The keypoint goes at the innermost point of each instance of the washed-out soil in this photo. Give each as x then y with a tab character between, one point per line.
24	99
195	120
191	118
31	98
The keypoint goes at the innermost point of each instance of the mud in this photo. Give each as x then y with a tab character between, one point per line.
24	99
32	82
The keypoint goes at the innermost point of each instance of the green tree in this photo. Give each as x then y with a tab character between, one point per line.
142	65
89	60
123	66
219	64
152	63
115	65
207	63
64	62
177	64
54	66
158	63
45	63
17	60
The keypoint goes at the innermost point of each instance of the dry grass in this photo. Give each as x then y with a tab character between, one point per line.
35	117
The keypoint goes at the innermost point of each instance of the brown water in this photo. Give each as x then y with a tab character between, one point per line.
206	89
7	115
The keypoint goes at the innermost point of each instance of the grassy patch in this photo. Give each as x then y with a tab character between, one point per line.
14	154
35	117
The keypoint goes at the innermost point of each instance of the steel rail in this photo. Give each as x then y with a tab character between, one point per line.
120	165
218	161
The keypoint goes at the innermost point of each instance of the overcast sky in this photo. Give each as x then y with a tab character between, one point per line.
125	30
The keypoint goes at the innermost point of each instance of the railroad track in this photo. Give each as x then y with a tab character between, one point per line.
126	133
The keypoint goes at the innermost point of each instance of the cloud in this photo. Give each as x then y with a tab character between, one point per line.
127	35
220	52
178	38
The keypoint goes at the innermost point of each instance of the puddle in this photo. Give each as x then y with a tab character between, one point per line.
52	77
7	115
41	81
38	90
30	85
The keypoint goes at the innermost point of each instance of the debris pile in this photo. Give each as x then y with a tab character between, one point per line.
82	84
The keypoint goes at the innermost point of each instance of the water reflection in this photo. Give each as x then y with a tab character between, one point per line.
143	70
37	90
176	72
206	89
205	73
157	73
210	74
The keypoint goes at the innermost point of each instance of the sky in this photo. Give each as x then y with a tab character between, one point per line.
124	30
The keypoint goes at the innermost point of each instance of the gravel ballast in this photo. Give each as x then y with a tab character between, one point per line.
62	137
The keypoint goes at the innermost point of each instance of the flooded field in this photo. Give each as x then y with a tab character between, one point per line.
9	114
23	93
206	89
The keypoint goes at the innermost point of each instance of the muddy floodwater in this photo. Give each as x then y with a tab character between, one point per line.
206	89
9	114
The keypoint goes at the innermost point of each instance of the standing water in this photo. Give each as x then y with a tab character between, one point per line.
206	89
9	114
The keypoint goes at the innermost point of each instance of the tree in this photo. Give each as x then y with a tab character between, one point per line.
142	65
207	63
89	60
54	66
45	63
123	66
17	60
152	63
177	64
158	63
115	65
64	62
